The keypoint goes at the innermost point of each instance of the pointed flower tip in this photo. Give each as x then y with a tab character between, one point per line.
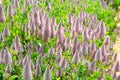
47	75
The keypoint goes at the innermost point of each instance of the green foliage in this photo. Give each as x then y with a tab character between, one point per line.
116	3
14	77
108	77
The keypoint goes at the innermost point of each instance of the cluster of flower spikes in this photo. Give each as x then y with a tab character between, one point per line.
39	24
85	25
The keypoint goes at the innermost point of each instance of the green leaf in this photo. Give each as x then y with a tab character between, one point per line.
14	77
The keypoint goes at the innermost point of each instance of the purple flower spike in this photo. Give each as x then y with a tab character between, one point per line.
84	34
107	40
59	49
1	37
59	72
73	35
69	19
59	29
26	59
52	31
77	28
33	27
16	3
92	35
75	43
47	75
62	63
27	72
46	31
24	28
85	48
51	51
53	21
7	57
58	58
92	47
38	70
98	56
32	66
92	66
101	29
17	46
37	18
6	32
8	68
2	17
67	43
27	2
75	58
116	67
114	75
10	11
117	76
49	6
61	1
102	50
103	3
39	61
60	40
115	57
